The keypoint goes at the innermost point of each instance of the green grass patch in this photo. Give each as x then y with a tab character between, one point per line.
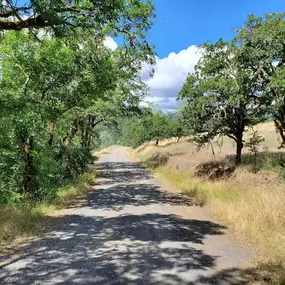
268	161
67	194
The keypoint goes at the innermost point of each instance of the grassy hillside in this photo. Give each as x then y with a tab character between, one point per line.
222	147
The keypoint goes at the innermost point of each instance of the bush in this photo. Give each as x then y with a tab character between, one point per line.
76	161
25	218
11	170
156	160
215	170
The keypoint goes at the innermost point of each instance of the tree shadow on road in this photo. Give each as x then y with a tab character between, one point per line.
146	249
143	249
121	172
118	197
129	189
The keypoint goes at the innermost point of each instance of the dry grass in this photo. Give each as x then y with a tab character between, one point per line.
251	204
23	219
266	273
221	147
253	208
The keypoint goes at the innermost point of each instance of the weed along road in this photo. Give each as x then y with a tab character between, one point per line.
129	231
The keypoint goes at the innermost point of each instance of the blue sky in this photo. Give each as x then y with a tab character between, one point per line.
181	25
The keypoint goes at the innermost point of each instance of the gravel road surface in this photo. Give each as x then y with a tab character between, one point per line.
129	231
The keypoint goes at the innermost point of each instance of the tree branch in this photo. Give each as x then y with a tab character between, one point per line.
13	11
36	22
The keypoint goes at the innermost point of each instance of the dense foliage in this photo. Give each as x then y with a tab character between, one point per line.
129	19
55	91
63	93
221	96
150	125
262	50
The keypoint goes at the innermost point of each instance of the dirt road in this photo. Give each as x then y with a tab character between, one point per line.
130	231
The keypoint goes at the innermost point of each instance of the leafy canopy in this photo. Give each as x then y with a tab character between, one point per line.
221	98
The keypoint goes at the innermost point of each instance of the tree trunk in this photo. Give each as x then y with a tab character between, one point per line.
156	143
239	149
68	139
280	128
30	185
51	133
92	124
89	131
71	133
83	131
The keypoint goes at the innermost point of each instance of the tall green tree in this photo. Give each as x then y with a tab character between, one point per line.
221	98
262	50
54	92
150	125
128	19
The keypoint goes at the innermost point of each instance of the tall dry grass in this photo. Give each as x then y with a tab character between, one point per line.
221	146
253	206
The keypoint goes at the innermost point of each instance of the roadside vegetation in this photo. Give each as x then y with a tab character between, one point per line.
250	203
25	219
60	87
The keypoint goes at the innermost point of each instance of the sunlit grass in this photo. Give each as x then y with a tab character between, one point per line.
253	210
221	146
67	194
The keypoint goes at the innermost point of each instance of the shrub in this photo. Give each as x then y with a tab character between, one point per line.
76	161
156	160
215	170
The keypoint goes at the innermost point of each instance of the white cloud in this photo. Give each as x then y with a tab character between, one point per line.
166	103
110	43
170	74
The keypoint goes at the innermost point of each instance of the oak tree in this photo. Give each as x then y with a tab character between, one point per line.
222	100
